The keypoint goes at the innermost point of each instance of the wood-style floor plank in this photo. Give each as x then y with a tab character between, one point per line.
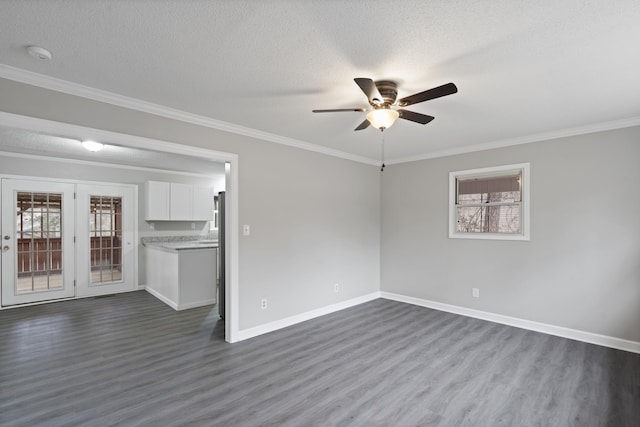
129	360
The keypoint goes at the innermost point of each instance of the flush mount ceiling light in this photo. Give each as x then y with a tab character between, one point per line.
39	53
382	118
92	145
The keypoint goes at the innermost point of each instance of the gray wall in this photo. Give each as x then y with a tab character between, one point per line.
581	268
10	165
315	219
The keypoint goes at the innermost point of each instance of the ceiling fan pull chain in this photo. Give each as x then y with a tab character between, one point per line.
382	156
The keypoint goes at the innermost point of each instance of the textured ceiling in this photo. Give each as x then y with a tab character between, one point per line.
523	68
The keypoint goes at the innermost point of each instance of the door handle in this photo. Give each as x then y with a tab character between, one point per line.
5	248
7	237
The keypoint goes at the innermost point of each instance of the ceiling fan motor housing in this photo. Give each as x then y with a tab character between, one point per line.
389	92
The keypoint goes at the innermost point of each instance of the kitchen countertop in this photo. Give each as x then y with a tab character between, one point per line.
180	243
178	246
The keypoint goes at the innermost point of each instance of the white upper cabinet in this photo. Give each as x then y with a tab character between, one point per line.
166	201
157	201
181	201
202	204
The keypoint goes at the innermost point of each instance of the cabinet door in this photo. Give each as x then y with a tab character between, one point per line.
181	196
202	204
156	197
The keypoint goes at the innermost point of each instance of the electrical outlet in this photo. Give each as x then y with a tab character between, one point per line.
263	303
336	287
476	292
152	226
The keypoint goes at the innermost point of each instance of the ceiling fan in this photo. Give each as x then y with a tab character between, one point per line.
382	96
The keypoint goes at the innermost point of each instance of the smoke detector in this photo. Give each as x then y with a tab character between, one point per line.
39	53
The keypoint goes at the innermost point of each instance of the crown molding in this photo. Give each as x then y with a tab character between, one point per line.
75	89
545	136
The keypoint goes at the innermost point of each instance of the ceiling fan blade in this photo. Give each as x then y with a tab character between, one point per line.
415	117
363	125
337	110
369	88
436	92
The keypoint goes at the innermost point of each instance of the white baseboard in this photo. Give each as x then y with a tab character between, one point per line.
195	304
162	298
74	298
302	317
175	305
589	337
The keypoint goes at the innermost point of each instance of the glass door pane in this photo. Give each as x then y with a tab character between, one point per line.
105	232
39	241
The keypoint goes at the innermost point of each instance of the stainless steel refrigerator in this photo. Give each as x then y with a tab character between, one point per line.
222	222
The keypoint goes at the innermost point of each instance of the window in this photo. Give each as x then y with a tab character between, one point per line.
490	203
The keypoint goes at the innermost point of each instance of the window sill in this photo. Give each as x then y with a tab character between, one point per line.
489	236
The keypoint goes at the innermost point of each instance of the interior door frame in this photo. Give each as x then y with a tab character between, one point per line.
232	315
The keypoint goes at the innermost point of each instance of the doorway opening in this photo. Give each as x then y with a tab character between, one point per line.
105	249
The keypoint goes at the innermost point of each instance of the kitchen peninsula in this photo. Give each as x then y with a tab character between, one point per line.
182	272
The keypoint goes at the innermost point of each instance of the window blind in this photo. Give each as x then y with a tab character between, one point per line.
489	185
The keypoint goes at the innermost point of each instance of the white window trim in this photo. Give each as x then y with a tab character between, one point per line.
492	171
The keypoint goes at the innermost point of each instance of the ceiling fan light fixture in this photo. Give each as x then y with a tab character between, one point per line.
382	118
92	145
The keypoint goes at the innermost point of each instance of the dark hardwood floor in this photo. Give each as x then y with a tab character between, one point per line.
129	360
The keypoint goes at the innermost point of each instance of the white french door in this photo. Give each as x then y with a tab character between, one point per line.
105	247
64	240
37	241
